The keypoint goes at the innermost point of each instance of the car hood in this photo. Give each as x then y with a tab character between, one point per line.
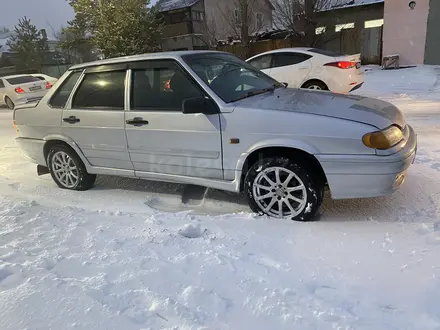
361	109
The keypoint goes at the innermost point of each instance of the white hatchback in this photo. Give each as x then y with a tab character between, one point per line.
312	68
22	89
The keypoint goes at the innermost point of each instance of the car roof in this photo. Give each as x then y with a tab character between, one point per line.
134	58
15	76
283	50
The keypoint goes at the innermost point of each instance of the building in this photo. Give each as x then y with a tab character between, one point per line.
412	30
200	24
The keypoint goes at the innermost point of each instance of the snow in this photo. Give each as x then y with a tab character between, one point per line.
104	259
167	5
337	4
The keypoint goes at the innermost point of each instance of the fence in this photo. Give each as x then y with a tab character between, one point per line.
367	42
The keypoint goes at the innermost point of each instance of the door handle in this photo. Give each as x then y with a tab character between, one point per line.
71	120
137	121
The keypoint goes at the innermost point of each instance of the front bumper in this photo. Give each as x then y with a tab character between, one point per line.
352	176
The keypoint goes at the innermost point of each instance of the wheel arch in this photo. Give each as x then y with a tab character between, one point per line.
53	140
314	80
303	155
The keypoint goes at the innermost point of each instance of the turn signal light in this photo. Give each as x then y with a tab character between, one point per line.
384	139
19	90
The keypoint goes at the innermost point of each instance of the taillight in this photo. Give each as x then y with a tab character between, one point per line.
48	85
342	65
19	90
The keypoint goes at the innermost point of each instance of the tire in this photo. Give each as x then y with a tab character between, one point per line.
316	85
9	103
305	195
61	161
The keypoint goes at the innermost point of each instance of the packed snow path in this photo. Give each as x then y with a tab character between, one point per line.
103	259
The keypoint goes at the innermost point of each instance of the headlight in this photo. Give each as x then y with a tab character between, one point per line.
384	139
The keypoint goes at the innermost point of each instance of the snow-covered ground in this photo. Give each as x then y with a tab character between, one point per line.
103	259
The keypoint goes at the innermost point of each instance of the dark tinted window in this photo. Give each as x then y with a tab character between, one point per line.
1	84
21	80
161	85
262	62
59	98
39	77
284	59
324	52
101	90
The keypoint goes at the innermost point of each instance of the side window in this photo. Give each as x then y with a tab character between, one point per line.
2	84
285	59
101	90
262	62
61	95
39	77
161	85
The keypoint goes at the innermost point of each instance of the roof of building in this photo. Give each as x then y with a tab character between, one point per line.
167	5
337	4
141	57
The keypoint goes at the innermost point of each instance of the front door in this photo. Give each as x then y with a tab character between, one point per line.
95	120
161	139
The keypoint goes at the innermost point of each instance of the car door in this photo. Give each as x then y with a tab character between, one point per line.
95	119
161	138
290	67
263	63
2	91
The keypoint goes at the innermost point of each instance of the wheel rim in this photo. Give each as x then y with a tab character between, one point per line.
64	169
279	192
9	103
316	87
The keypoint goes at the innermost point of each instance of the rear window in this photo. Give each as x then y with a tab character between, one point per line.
324	52
21	80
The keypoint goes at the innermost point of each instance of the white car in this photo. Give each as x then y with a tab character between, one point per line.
312	68
22	89
42	76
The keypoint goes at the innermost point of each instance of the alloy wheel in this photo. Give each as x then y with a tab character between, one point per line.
279	192
65	169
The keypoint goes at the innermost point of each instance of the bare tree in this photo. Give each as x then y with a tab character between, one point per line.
304	19
240	18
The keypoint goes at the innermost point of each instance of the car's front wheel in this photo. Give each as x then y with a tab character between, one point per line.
281	188
67	169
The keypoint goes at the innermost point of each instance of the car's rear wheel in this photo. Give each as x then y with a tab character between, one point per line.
316	85
67	169
9	103
281	188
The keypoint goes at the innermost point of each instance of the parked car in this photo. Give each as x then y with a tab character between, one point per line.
312	68
42	76
21	89
242	132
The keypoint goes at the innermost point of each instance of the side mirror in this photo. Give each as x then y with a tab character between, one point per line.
199	105
285	84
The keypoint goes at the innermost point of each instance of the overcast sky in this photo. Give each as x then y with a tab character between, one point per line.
43	13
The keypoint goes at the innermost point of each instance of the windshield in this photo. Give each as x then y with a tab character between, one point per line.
229	77
21	80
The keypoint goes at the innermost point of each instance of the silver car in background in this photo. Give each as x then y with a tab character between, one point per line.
22	89
210	119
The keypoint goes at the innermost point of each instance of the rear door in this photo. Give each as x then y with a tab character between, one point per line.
291	67
95	119
161	139
2	91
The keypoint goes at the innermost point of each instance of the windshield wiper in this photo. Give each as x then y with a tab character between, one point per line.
260	91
